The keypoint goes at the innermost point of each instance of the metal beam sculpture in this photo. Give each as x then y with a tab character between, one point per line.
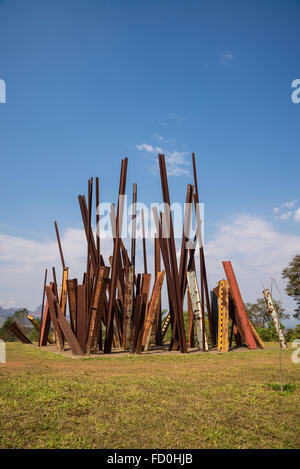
275	317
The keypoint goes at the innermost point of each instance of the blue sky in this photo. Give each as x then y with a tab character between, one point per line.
89	82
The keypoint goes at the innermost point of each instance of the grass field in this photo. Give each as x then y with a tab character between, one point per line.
197	400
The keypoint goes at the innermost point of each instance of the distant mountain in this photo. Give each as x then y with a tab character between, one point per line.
4	313
38	311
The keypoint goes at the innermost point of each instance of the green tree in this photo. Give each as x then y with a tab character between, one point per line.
259	315
20	317
293	334
292	275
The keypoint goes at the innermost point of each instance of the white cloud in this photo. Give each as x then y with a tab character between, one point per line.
285	216
176	162
145	146
225	57
291	204
297	214
277	211
23	263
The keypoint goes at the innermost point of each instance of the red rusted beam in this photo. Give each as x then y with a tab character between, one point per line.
243	322
59	246
43	304
63	323
157	268
97	305
16	329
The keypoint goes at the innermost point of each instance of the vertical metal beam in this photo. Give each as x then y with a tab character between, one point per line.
173	259
128	307
203	279
157	268
133	227
144	242
196	305
114	272
152	309
97	306
223	316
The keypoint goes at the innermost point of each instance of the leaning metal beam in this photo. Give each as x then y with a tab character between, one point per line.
16	329
58	335
37	326
63	323
275	317
241	315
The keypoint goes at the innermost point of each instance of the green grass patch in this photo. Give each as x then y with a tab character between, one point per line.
205	400
288	388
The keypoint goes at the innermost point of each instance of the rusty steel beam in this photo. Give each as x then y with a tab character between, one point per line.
59	246
72	296
144	242
64	290
152	309
128	310
133	227
88	232
170	284
203	280
45	325
81	320
17	331
157	268
178	312
38	326
43	313
144	293
185	239
63	323
97	305
114	272
57	333
257	338
243	321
